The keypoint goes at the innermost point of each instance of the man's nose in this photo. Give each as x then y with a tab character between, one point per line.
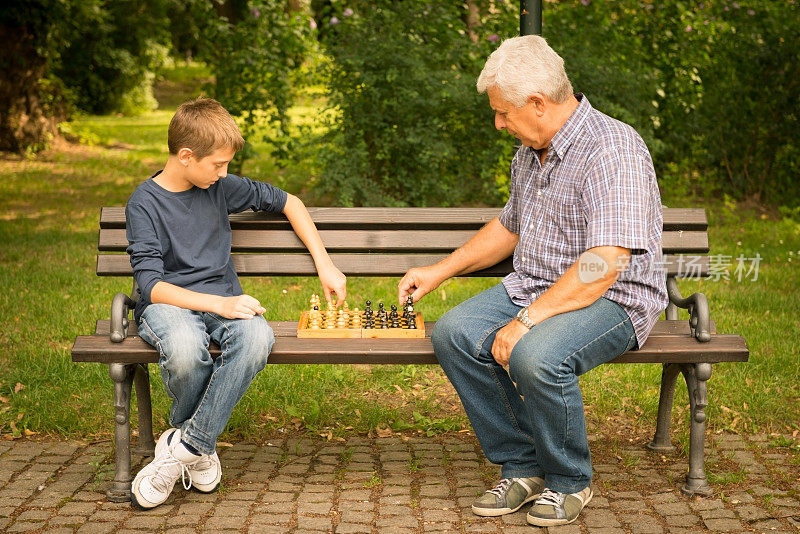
499	123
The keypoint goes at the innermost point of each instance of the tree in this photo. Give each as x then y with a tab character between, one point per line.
29	101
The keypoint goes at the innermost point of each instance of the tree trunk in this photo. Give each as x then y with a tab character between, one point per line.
24	123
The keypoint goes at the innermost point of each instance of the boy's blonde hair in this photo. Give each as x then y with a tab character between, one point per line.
203	126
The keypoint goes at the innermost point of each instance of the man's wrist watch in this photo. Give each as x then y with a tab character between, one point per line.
522	317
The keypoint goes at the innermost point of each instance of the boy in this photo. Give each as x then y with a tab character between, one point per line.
179	246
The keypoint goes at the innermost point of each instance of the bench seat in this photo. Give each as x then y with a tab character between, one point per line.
666	344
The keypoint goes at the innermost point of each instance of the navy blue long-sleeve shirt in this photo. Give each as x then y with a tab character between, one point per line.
184	238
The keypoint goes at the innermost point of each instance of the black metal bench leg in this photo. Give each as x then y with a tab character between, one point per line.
696	376
122	375
669	377
141	380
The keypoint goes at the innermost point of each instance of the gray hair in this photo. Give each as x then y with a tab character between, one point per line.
525	65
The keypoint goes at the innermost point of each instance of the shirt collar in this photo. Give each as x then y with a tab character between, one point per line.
564	137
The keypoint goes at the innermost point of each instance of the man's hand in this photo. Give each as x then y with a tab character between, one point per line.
333	281
241	307
505	341
418	282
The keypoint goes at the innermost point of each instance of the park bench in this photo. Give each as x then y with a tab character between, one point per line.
388	242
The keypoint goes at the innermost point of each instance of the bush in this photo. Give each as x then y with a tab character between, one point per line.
409	127
111	51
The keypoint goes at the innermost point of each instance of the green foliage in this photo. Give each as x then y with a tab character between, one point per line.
252	51
686	75
110	52
409	128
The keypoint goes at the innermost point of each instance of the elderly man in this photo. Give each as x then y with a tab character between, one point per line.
584	224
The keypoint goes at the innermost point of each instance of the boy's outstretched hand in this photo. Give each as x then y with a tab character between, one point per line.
240	307
333	281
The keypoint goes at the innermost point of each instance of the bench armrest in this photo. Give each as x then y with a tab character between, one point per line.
120	308
697	305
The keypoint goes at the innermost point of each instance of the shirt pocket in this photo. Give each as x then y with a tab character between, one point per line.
564	235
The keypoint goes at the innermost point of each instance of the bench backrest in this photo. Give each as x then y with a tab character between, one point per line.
384	241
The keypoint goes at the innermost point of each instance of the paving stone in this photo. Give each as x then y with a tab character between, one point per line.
67	520
356	506
313	523
273	496
183	520
355	495
34	515
271	519
311	508
717	513
565	529
723	525
224	522
436	504
664	498
145	522
352	528
706	504
682	520
672	508
97	528
408	521
599	518
25	526
642	524
628	506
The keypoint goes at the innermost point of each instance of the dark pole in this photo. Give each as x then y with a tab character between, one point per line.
530	17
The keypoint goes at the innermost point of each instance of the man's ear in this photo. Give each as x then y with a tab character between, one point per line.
184	155
538	101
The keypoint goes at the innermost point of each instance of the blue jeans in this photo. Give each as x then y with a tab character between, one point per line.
536	427
204	390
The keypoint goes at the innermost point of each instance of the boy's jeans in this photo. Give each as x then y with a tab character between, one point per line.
536	428
203	390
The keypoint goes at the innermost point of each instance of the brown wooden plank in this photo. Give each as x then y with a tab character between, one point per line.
371	265
289	328
658	349
386	218
406	241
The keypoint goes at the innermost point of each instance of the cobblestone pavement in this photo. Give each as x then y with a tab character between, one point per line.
398	485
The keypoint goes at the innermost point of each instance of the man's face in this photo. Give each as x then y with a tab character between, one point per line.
523	123
205	172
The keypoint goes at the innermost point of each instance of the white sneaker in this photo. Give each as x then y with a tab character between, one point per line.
155	481
206	472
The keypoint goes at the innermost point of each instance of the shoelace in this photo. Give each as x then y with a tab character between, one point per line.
551	497
205	462
164	471
502	487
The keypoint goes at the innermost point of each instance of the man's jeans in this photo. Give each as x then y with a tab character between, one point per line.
536	427
204	390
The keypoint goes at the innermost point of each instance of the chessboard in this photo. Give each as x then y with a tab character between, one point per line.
357	324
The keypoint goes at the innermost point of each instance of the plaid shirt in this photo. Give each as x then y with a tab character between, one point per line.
597	187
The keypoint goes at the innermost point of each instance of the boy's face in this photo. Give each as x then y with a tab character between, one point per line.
205	172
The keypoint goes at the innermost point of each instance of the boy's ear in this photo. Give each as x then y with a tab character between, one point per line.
184	155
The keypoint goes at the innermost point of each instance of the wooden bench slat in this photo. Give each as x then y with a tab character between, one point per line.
386	218
370	265
658	349
679	327
407	241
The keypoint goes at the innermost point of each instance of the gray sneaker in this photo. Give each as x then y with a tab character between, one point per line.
554	508
508	496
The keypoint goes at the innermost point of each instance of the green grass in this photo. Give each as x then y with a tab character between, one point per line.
49	208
